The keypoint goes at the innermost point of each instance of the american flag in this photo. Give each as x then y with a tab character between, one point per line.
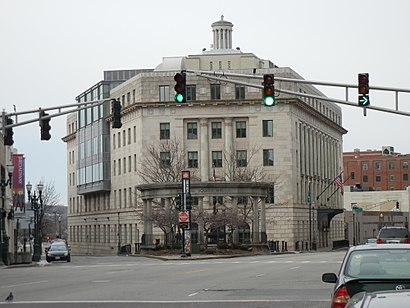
339	183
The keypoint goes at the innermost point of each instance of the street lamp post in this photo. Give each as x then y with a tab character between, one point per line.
4	238
36	201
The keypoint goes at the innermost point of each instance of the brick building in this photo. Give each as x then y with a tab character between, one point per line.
376	169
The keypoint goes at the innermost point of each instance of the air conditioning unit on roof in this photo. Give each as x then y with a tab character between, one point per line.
387	150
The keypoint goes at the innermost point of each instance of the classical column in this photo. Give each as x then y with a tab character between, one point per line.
204	162
148	230
228	139
201	220
255	225
263	221
235	219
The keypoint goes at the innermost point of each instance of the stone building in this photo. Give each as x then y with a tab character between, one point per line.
296	145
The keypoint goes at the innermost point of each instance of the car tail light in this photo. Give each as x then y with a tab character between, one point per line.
340	298
407	241
379	241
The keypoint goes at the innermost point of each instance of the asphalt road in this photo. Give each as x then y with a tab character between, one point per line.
291	280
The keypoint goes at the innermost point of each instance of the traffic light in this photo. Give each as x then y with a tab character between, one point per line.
178	202
45	126
188	202
269	90
363	89
180	87
116	114
8	135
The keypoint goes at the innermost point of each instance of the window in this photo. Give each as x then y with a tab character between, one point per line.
378	178
271	195
240	129
164	131
243	200
191	93
365	179
192	159
392	178
391	165
164	93
405	177
377	166
133	96
405	165
217	200
239	92
216	130
215	91
241	158
217	159
268	157
352	175
192	130
165	159
267	127
129	135
365	166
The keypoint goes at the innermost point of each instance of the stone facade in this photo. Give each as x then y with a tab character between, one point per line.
304	134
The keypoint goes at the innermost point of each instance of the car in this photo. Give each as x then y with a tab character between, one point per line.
395	298
370	268
393	235
58	251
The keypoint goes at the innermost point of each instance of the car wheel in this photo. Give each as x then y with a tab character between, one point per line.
48	260
69	259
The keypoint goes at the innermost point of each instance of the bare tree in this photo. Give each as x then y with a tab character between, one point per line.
239	166
51	200
165	219
162	162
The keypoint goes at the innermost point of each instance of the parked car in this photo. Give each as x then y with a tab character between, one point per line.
58	251
393	235
370	268
396	298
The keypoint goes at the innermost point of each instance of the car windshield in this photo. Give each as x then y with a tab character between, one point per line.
379	263
57	248
394	233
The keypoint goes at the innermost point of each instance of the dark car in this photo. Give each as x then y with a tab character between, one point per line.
58	251
396	298
393	235
370	268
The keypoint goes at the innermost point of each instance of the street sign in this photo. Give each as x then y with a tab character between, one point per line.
183	217
357	209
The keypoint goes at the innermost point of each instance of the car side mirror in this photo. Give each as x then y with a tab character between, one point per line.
329	277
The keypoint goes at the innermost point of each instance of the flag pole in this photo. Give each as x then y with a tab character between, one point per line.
317	198
337	189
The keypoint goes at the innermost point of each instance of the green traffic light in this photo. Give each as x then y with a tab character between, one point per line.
179	98
269	101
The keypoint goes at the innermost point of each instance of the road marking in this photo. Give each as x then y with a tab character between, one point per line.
193	294
23	284
260	275
101	281
295	267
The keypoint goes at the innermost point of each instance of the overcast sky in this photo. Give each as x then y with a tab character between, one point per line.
53	50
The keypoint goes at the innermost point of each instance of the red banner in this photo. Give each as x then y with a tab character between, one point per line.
18	183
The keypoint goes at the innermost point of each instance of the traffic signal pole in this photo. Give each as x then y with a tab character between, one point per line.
222	76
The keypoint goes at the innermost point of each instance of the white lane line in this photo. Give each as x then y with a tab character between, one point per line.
23	284
193	294
260	275
101	281
295	267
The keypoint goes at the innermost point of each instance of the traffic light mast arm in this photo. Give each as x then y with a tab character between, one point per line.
323	98
60	113
209	74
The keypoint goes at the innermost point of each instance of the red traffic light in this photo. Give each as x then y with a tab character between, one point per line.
363	87
267	79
